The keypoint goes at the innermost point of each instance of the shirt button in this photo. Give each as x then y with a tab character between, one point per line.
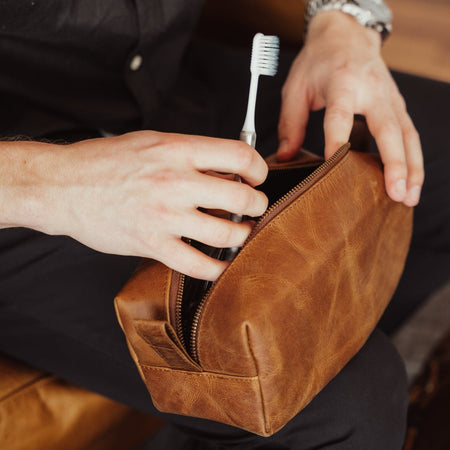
136	62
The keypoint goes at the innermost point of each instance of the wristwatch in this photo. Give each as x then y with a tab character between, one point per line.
370	13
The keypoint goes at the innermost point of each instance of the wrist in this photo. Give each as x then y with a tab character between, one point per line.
335	24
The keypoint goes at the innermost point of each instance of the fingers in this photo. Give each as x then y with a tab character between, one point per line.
183	258
214	231
339	113
211	192
202	227
413	155
384	126
389	123
224	155
209	230
293	120
400	150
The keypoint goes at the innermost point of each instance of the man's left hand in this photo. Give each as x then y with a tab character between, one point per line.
340	68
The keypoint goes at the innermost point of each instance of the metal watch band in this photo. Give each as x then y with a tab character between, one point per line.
350	7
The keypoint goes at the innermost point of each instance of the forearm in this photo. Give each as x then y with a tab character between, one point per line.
27	184
136	194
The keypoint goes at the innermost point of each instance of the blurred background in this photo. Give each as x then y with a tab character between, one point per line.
420	43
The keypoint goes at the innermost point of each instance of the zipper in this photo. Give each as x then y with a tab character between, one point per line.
274	209
194	329
178	307
291	195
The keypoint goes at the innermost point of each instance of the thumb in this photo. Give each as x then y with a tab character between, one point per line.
292	124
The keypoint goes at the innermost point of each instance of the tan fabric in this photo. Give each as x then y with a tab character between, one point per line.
299	300
39	411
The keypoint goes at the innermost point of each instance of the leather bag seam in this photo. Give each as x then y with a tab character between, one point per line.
205	374
261	393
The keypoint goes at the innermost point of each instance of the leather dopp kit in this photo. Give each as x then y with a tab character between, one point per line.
294	306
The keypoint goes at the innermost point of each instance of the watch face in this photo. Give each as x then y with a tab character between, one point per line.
378	8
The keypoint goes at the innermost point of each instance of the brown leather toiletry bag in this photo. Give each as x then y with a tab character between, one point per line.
294	306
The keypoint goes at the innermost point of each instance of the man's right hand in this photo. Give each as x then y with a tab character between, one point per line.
136	194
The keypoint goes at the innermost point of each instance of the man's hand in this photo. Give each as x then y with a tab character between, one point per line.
340	68
137	194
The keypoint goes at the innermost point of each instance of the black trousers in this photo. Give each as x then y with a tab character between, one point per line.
56	295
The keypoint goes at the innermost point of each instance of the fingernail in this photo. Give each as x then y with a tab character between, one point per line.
400	190
413	196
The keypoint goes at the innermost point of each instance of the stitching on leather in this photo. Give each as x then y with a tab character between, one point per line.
255	362
203	374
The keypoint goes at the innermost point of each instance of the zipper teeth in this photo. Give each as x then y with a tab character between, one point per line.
178	310
260	224
194	328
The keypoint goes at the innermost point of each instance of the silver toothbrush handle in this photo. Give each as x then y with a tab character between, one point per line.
250	138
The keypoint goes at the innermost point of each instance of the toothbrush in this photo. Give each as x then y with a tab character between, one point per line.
264	61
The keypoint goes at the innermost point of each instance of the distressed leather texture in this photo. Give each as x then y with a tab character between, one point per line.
295	305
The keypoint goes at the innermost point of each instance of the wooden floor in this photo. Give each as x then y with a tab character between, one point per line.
420	43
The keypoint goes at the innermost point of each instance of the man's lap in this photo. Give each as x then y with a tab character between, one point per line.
56	312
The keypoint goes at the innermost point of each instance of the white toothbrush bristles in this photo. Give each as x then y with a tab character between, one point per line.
264	61
265	55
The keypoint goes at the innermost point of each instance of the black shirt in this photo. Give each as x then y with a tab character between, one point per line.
68	64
